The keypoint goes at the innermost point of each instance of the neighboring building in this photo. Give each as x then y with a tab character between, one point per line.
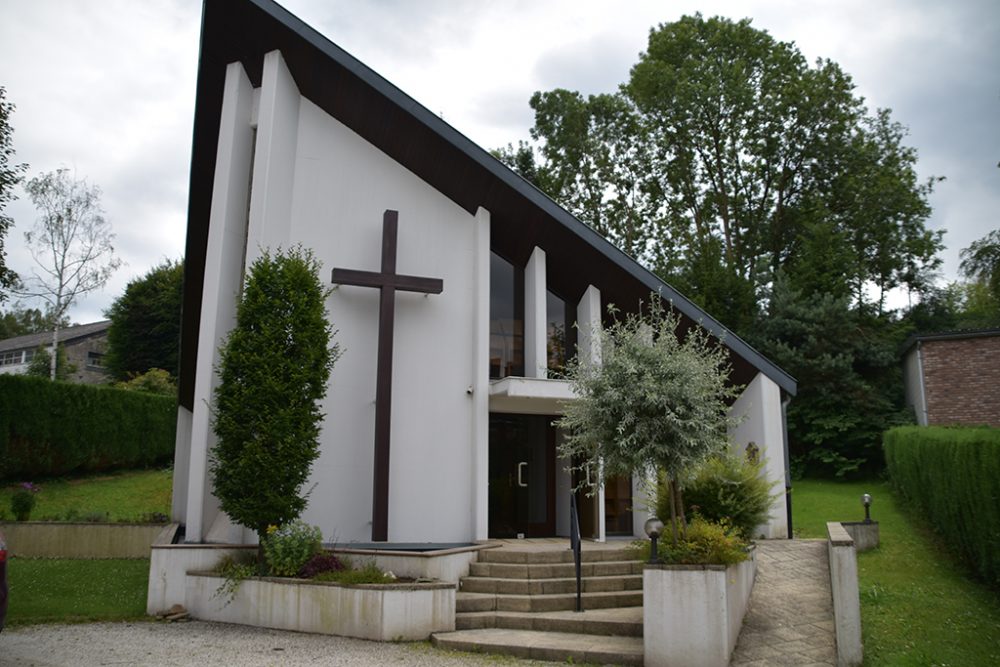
85	346
296	142
953	377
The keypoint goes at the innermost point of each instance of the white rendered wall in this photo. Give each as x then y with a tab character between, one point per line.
759	408
342	186
480	385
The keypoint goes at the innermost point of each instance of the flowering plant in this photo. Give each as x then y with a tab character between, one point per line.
288	547
23	500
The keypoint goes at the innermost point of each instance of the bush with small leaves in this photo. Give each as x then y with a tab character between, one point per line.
324	561
22	502
289	547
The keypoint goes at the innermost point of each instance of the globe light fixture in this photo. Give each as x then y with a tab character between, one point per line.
866	500
653	528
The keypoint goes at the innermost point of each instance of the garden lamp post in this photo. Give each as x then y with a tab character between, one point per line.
653	528
866	500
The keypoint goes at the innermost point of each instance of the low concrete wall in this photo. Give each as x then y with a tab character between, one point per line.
387	612
692	614
170	563
52	539
846	598
864	534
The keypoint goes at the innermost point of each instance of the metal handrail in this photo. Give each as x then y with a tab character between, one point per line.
576	546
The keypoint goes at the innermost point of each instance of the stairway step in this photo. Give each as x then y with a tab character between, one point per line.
620	621
466	602
554	646
505	586
550	556
556	570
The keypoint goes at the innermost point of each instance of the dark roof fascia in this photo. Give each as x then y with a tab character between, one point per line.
958	334
207	128
73	333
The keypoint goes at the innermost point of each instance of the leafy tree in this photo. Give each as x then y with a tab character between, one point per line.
848	373
722	156
981	261
41	365
71	243
146	323
273	372
10	175
654	402
21	321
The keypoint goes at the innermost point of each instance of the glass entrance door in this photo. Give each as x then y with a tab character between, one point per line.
522	476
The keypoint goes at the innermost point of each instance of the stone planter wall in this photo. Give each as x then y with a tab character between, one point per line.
380	612
57	539
692	614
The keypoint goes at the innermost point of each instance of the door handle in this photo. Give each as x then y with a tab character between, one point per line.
520	470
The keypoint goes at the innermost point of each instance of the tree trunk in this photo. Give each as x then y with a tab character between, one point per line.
54	356
673	509
680	507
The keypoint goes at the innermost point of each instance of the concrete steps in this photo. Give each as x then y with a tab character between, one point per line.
521	601
555	646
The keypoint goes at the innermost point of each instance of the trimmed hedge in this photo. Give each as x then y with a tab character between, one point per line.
952	476
53	428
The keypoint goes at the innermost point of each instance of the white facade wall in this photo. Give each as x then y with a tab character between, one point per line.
759	409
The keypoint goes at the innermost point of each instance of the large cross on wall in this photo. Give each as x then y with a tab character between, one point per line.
388	282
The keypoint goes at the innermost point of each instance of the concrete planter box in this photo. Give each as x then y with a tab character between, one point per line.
380	612
692	614
57	539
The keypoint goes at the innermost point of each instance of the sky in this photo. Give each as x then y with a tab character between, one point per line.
106	88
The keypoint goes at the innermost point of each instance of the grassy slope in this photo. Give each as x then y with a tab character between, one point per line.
918	606
125	496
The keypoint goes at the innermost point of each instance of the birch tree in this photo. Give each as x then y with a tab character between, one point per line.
71	244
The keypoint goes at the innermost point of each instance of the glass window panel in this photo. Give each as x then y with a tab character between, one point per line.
506	318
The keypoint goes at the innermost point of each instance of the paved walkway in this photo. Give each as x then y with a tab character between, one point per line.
790	619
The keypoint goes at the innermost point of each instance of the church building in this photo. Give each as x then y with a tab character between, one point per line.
459	292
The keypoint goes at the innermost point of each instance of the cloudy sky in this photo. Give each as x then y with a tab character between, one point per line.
106	87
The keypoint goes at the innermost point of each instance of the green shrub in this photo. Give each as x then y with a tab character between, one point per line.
23	501
289	547
727	488
707	542
952	477
53	428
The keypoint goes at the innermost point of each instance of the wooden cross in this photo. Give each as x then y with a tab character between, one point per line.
387	281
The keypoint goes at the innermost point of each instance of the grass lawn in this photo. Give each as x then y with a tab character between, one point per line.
124	496
59	590
918	605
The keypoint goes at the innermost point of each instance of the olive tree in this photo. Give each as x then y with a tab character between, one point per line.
273	372
655	401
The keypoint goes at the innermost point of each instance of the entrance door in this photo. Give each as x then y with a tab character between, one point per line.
618	505
522	476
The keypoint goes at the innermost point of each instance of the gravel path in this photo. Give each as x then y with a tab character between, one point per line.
203	644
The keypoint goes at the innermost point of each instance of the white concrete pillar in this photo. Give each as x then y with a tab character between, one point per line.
588	325
759	410
222	285
274	158
535	316
480	382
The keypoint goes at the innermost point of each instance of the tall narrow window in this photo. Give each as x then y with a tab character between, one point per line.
506	318
560	335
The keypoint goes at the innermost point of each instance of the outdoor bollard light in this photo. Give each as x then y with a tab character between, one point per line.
653	528
866	500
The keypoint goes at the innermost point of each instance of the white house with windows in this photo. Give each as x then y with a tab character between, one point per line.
295	141
85	346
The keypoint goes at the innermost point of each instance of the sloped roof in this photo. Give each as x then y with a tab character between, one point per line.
522	217
955	334
67	335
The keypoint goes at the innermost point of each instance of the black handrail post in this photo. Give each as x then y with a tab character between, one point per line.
574	544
